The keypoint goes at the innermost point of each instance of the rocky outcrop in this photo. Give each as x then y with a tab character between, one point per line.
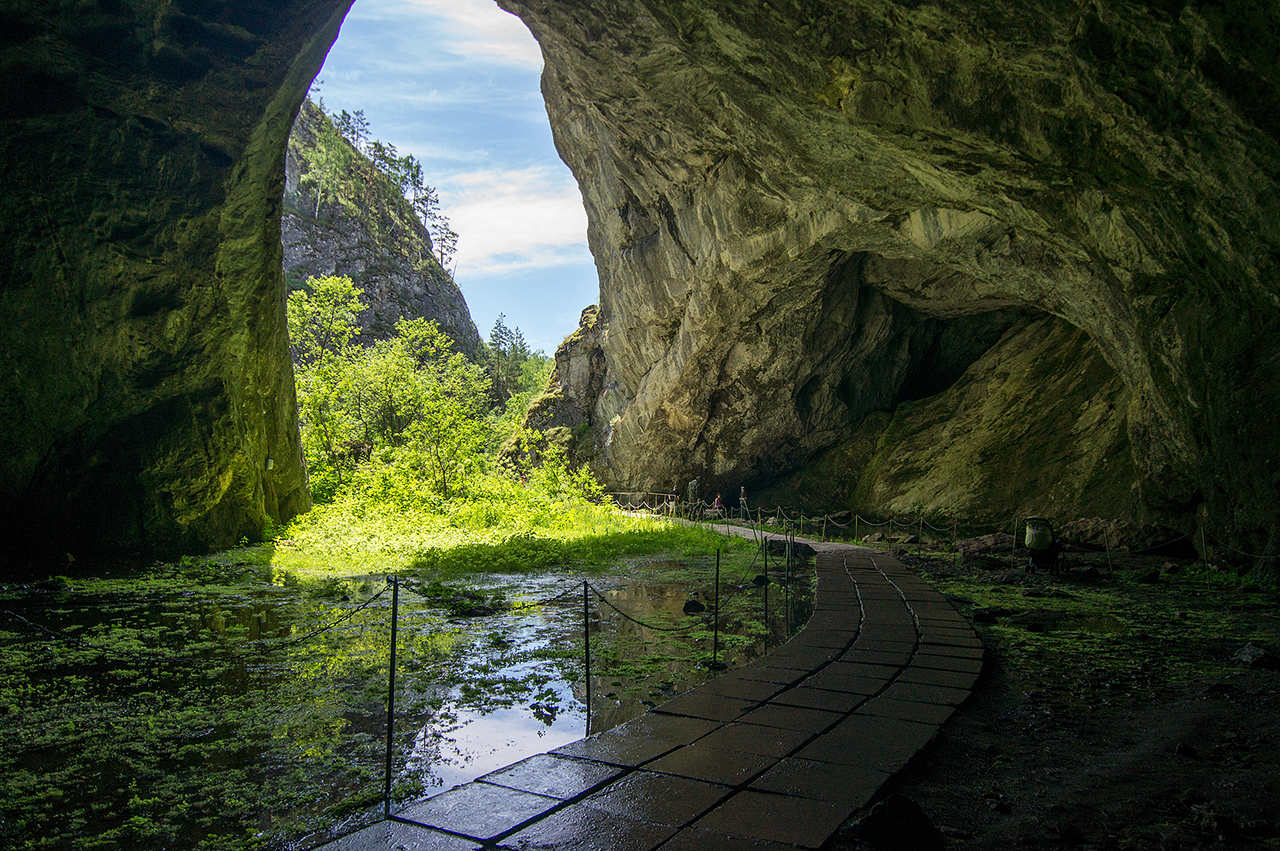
793	204
382	246
563	413
1036	425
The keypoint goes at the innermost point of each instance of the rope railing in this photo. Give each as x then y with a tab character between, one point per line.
259	645
342	619
786	518
548	601
637	621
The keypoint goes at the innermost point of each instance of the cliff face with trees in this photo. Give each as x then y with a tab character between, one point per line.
354	207
811	219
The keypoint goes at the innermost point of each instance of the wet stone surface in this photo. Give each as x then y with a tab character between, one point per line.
658	798
776	754
478	809
558	777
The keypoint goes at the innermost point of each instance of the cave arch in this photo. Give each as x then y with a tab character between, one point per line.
727	153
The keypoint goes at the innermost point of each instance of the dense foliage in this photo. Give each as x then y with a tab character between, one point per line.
407	420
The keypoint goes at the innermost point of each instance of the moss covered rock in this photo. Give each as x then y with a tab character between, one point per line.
148	401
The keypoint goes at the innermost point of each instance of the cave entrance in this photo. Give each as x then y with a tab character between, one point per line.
442	97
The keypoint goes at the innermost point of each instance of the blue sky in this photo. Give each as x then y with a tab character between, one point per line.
455	83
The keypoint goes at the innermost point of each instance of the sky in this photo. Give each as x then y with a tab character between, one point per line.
455	83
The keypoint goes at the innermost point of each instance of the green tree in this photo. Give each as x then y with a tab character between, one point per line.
410	403
443	237
322	318
329	162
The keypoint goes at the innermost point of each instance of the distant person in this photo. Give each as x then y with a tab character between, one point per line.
742	501
671	502
717	506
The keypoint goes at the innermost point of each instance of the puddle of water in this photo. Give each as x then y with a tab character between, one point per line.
519	688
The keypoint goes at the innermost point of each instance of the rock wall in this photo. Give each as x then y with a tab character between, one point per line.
147	400
790	202
382	246
564	411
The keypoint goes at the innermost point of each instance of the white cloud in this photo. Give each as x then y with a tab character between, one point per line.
478	29
514	219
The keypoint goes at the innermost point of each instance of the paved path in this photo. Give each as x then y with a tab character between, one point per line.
776	754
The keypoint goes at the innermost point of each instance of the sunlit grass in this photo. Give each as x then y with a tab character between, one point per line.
505	526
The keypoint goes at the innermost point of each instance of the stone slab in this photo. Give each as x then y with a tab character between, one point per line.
925	713
742	688
588	829
757	739
883	744
657	798
933	676
700	704
621	750
556	776
776	818
923	693
832	681
400	836
892	658
952	652
701	839
714	765
479	810
676	728
947	663
816	698
772	674
851	785
864	669
828	638
792	717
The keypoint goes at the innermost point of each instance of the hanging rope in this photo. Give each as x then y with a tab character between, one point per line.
605	600
343	619
1245	554
570	590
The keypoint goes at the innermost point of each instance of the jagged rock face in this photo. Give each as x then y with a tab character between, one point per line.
148	400
392	264
793	203
564	412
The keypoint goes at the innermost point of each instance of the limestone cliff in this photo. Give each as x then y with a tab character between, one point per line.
793	204
564	412
382	246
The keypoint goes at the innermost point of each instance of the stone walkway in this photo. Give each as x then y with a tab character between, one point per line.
776	754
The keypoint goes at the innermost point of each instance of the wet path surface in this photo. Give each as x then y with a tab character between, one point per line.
775	754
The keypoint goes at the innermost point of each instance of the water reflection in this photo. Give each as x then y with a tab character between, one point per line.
518	689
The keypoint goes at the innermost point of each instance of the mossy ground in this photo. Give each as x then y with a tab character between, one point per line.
196	704
1111	713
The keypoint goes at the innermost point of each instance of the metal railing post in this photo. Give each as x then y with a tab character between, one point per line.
391	694
766	594
715	640
586	652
